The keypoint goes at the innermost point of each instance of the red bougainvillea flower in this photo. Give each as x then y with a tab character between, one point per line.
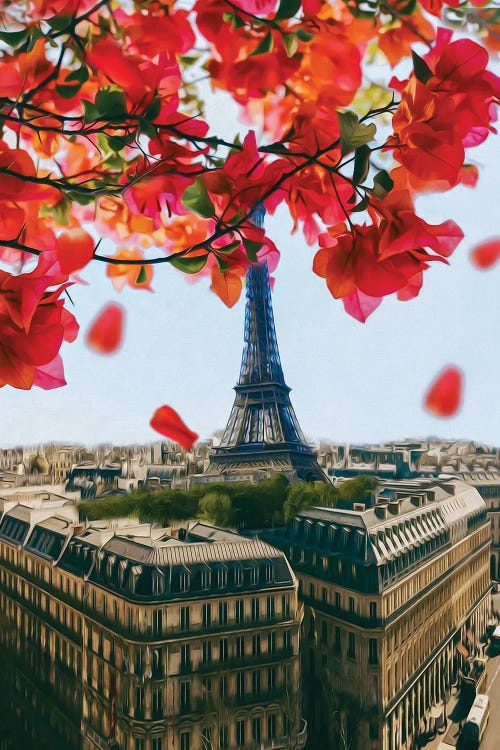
167	422
446	106
106	332
227	286
444	397
74	248
259	8
138	277
33	325
486	254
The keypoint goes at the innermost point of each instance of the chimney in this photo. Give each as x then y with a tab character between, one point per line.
359	507
417	500
394	507
381	510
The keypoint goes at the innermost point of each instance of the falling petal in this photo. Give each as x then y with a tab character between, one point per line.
75	248
167	422
444	397
486	254
106	332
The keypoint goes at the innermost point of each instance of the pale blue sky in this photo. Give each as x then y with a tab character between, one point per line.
351	382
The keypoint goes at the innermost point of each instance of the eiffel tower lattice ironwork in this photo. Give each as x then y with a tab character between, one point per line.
262	431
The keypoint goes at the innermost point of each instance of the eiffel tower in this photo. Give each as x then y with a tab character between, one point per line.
262	431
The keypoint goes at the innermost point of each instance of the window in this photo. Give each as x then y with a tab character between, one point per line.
207	686
256	728
285	607
156	743
240	611
324	632
185	695
157	701
254	574
222	577
238	575
185	656
185	740
271	642
139	744
240	684
351	650
206	738
287	639
270	608
373	610
240	647
157	622
337	642
256	645
311	590
338	601
271	678
206	615
271	726
222	613
256	682
223	686
223	650
157	663
240	732
184	618
268	572
351	604
373	651
324	595
183	580
139	701
206	578
139	662
224	737
255	609
206	655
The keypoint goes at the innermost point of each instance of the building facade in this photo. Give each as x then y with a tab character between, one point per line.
487	483
125	637
396	600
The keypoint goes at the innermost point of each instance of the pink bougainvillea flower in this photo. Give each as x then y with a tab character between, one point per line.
444	397
106	332
167	422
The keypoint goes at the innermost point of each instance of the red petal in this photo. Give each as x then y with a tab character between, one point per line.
105	334
445	395
75	248
50	375
360	305
167	422
486	254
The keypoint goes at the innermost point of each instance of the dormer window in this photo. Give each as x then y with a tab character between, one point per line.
268	572
158	582
184	579
237	574
222	576
206	577
254	574
109	565
121	571
135	573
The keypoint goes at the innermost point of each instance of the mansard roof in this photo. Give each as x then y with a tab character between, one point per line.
410	516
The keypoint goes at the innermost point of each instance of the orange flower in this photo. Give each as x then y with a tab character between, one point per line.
136	276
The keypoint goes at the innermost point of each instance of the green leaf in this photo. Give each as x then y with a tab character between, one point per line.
265	46
382	184
142	276
187	60
228	249
252	248
60	212
361	206
287	9
197	199
15	38
68	92
303	35
189	264
58	23
154	109
111	102
90	111
291	44
361	163
408	8
353	133
80	74
422	71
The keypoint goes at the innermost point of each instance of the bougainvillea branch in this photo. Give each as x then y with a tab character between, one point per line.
104	136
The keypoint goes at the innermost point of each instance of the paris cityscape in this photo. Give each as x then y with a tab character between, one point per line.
255	591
